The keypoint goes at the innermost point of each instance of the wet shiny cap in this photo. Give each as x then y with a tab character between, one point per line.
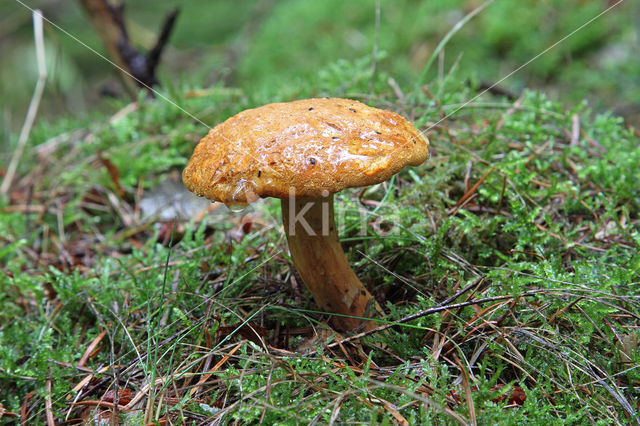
311	147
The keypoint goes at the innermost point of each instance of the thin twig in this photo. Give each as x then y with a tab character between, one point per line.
49	405
33	105
439	308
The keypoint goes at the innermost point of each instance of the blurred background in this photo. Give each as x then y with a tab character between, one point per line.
259	46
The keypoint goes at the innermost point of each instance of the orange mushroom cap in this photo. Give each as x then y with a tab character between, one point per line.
313	147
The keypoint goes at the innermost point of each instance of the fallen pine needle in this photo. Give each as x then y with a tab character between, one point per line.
92	346
215	368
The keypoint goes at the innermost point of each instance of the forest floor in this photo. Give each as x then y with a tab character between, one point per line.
508	264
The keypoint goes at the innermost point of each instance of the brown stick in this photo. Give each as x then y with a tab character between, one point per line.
136	69
322	264
110	32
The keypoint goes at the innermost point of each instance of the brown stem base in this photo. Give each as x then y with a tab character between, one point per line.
322	264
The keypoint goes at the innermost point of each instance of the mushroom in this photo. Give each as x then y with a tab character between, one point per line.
303	152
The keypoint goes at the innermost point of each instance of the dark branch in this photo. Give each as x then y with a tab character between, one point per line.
153	57
138	69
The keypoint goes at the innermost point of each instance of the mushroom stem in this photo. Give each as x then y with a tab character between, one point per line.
322	264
